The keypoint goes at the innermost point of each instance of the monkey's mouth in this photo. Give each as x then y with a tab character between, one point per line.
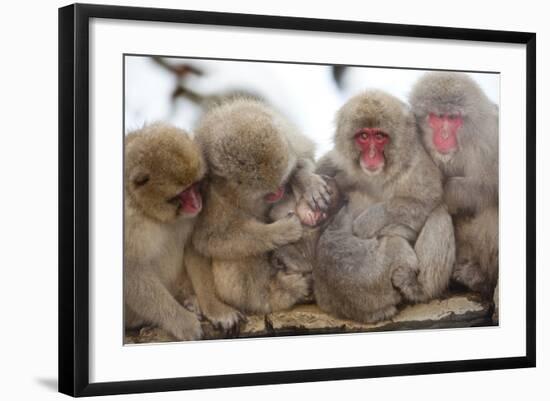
188	201
371	167
275	196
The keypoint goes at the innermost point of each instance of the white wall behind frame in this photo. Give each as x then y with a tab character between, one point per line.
111	362
29	89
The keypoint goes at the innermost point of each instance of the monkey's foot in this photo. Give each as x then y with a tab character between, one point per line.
380	315
471	276
191	303
223	316
288	260
288	289
186	327
406	281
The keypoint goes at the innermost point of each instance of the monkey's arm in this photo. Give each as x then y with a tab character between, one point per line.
404	213
199	269
313	187
146	295
468	194
249	238
326	166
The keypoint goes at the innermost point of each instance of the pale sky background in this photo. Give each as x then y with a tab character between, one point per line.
306	94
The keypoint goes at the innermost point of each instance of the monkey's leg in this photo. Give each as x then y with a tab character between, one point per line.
470	275
298	257
243	283
477	252
352	276
404	266
199	269
287	289
435	249
148	297
289	259
252	285
185	294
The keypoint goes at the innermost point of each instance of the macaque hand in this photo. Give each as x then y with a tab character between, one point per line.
288	230
317	193
370	222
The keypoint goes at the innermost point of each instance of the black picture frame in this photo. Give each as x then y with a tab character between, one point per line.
74	198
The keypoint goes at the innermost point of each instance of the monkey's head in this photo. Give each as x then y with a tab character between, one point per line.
162	172
375	134
245	147
444	103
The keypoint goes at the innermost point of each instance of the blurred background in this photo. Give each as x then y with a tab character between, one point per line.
177	90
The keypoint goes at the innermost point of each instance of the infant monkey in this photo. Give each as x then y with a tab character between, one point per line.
299	256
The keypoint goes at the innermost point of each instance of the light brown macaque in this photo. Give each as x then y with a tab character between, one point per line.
254	156
459	129
162	174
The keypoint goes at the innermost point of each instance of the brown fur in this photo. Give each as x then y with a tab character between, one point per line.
160	162
251	151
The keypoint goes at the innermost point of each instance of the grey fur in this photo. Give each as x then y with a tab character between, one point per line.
471	173
363	255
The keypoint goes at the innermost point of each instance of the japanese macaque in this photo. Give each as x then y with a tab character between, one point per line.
162	171
254	156
459	128
394	239
300	256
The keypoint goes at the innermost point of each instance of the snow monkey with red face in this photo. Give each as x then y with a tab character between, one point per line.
459	129
394	239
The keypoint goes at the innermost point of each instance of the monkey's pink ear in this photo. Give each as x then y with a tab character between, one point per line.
139	178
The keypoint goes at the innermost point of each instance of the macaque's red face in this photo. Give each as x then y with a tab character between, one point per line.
276	196
190	200
444	131
372	142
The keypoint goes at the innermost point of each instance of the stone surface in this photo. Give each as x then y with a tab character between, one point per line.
457	310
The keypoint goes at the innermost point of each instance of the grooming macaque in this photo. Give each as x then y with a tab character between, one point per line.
300	256
254	156
394	239
163	168
459	129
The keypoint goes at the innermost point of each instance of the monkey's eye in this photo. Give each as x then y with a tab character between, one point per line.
362	137
379	136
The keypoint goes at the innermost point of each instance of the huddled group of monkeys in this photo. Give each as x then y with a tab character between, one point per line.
240	219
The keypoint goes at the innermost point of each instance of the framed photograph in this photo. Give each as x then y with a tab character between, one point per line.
296	199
